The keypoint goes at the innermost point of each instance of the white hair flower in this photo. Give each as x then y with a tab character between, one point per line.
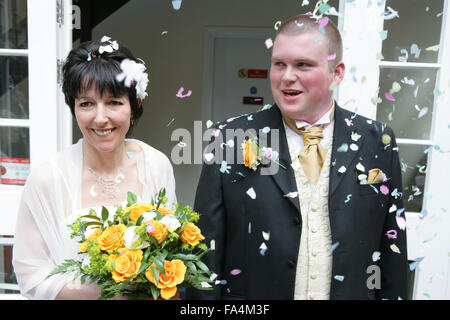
133	73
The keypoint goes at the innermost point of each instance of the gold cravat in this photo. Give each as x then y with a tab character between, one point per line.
313	154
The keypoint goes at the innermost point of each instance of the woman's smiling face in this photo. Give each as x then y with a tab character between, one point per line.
104	120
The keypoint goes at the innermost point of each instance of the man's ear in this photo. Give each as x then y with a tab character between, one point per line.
339	72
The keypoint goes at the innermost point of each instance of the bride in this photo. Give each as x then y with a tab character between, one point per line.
104	86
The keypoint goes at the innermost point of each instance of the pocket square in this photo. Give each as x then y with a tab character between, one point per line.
375	176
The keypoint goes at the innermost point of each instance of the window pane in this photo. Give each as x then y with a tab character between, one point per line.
417	28
413	161
13	24
410	114
6	269
14	87
14	155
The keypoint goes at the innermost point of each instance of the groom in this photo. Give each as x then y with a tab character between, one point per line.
329	222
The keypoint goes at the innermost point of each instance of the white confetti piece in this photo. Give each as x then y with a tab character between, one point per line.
342	169
212	244
355	137
354	147
209	124
376	256
268	43
266	235
360	167
395	248
401	222
393	208
266	130
291	195
208	156
251	193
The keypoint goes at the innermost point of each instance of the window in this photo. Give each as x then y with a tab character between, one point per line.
398	65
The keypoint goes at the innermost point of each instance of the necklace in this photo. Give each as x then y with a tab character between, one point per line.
109	186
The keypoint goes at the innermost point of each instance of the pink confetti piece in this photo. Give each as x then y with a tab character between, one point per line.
391	234
181	95
150	228
235	272
384	189
323	21
349	122
331	57
389	96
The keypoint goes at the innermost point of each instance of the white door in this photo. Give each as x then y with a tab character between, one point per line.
34	37
237	64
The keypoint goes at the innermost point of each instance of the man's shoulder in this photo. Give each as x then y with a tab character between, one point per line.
255	120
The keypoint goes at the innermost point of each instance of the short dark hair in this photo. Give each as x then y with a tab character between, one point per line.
100	71
304	23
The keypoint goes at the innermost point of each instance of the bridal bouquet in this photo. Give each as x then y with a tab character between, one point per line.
145	250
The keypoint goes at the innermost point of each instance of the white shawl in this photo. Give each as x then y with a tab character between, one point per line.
51	200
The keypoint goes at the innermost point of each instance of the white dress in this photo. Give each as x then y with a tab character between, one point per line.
51	199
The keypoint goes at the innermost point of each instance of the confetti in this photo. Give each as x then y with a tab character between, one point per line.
176	4
331	57
355	137
360	167
384	189
395	248
376	256
251	193
225	168
235	272
333	86
422	112
339	278
390	14
277	25
249	227
263	249
209	124
342	169
181	95
389	96
266	130
349	196
354	147
383	35
391	234
323	21
334	246
393	208
401	222
433	48
348	122
343	148
291	195
208	156
212	244
268	43
266	235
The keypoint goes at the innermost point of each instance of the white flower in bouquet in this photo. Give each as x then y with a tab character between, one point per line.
171	222
131	239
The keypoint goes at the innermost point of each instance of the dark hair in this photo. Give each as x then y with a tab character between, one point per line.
100	71
304	23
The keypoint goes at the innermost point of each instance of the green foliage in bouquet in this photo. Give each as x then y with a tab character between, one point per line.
144	250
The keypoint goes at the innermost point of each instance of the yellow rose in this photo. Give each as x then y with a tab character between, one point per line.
136	210
160	232
174	275
249	154
94	235
164	211
192	234
127	263
112	238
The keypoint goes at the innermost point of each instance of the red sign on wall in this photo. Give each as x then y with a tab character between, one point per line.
14	170
257	73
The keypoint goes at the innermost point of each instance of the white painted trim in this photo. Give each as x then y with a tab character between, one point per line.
408	65
21	123
210	34
14	52
415	142
63	47
6	241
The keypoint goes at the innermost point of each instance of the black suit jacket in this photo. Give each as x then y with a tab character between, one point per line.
358	222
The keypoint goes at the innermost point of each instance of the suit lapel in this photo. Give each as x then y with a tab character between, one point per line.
284	178
341	161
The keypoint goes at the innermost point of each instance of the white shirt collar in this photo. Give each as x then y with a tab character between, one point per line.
326	118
